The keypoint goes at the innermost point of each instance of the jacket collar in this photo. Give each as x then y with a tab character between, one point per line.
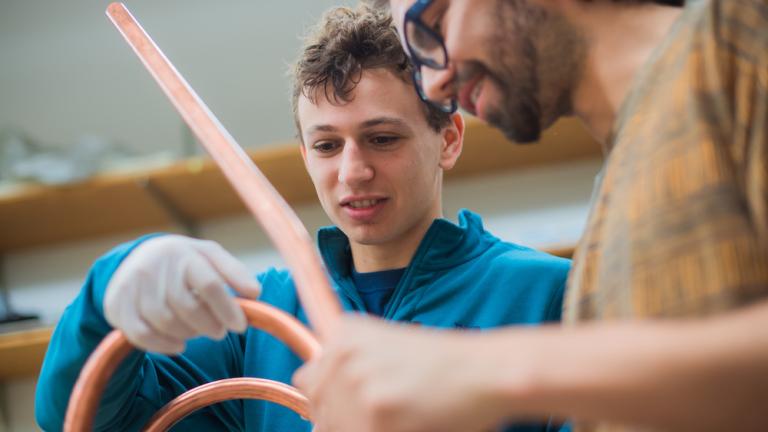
445	245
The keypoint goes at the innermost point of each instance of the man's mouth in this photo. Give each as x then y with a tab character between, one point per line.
363	203
470	93
363	209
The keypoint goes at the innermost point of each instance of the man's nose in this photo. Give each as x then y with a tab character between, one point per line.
354	168
439	85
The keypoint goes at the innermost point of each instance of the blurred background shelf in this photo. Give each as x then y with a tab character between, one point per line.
196	189
22	352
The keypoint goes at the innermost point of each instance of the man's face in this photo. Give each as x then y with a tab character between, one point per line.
512	63
375	162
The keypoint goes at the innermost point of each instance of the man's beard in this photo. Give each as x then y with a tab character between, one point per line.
518	115
522	113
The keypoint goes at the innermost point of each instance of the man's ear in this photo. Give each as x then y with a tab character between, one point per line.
453	141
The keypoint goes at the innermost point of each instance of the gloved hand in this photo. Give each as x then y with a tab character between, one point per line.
172	288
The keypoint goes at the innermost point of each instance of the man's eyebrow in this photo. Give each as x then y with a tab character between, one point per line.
321	128
391	121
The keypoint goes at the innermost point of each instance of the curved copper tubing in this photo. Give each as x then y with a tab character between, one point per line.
275	216
93	378
115	347
219	391
282	326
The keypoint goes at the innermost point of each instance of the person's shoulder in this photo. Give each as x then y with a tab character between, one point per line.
528	275
748	12
739	25
511	255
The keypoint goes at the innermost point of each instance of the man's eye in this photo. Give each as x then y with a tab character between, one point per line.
383	140
423	39
438	26
434	18
325	147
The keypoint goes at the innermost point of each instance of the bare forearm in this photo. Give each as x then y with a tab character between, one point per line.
675	375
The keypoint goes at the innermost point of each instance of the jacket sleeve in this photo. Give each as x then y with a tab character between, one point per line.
560	270
144	382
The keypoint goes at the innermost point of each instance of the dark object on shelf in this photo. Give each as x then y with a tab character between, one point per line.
10	317
7	314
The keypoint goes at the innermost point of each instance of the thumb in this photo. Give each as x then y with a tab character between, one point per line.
232	270
301	376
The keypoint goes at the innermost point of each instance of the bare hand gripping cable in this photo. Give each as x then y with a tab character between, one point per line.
276	218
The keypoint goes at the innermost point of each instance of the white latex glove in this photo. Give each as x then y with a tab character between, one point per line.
172	288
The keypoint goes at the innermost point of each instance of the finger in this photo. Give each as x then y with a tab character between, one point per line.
155	311
315	378
303	377
141	335
204	281
144	337
303	380
193	312
232	270
321	420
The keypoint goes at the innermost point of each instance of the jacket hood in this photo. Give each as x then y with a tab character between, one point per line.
445	245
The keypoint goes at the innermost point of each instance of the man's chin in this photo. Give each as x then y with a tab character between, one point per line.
526	129
363	235
522	134
518	138
367	239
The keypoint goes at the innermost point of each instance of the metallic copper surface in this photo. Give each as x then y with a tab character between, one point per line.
85	396
275	216
115	347
219	391
283	326
277	219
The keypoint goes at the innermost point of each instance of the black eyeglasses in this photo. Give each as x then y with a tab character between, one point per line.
425	47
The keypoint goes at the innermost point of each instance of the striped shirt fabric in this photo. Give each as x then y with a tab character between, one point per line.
679	226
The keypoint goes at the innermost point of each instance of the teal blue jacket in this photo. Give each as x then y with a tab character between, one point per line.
460	277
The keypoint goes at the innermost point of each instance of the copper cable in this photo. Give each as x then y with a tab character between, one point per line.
276	218
260	316
219	391
115	347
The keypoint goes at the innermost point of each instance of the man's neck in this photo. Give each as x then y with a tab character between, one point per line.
620	39
390	255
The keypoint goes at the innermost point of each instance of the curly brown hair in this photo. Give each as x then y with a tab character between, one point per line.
344	43
378	4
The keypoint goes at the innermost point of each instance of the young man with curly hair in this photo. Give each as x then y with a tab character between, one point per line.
376	155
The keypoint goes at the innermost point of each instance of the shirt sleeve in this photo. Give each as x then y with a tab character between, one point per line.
737	69
752	111
144	382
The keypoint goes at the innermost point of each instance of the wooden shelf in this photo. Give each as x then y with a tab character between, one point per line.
109	204
22	352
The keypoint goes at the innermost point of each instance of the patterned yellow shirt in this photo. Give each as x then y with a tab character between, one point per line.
679	227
